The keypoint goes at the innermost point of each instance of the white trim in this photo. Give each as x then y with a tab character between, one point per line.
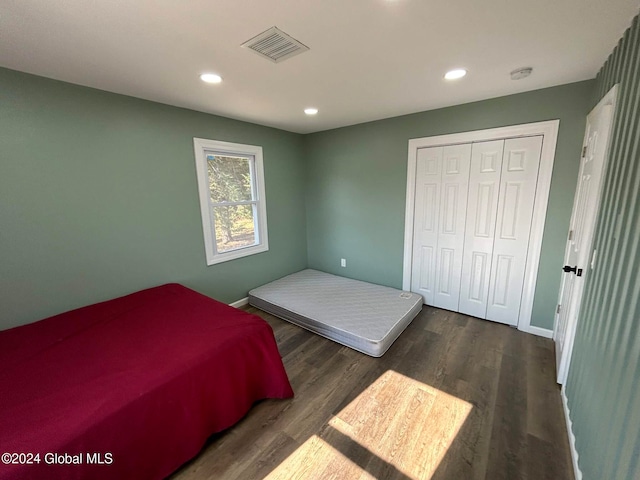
543	187
541	332
549	130
240	303
572	438
200	146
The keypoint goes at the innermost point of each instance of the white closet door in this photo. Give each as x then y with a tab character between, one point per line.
453	205
518	182
484	186
425	229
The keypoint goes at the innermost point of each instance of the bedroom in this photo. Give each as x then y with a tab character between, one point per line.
98	198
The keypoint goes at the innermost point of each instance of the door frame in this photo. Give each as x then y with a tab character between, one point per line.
549	130
563	363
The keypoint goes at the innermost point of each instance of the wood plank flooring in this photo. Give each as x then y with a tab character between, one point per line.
454	398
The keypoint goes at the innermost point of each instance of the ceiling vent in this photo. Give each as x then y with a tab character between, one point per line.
275	45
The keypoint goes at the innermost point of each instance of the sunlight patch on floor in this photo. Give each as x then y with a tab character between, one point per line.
397	423
406	423
317	459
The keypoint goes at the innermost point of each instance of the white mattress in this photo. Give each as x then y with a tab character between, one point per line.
360	315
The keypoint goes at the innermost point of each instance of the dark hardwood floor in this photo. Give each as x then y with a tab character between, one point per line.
454	398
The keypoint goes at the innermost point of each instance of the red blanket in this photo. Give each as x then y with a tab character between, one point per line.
132	387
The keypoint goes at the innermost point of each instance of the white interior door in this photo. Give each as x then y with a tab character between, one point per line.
425	230
453	206
482	206
579	258
518	180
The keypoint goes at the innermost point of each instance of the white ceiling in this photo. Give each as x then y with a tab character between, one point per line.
368	59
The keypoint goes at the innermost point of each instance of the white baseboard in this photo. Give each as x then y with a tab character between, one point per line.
240	303
572	439
541	332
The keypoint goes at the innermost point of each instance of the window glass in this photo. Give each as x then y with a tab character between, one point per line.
229	178
235	227
232	200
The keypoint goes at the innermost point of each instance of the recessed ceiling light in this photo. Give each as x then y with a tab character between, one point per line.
310	111
210	78
455	74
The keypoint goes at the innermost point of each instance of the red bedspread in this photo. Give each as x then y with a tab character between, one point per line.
141	380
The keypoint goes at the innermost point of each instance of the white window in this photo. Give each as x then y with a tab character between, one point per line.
232	201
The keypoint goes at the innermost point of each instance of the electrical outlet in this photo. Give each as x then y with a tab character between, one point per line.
343	262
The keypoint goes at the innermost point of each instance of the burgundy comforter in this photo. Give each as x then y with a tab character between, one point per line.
132	387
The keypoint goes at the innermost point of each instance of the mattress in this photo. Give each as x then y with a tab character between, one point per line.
360	315
131	387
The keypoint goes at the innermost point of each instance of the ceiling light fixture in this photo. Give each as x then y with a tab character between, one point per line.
520	73
455	74
310	111
210	78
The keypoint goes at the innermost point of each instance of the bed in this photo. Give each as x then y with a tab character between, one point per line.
360	315
132	387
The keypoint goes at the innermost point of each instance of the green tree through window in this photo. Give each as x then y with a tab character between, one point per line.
233	201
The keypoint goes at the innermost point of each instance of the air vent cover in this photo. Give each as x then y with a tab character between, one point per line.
275	45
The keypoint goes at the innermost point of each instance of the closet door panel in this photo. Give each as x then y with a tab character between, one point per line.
520	163
453	205
425	229
484	186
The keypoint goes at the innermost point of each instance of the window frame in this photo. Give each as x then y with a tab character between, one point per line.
203	147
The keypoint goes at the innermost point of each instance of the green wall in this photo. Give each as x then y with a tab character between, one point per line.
98	195
356	184
98	198
603	387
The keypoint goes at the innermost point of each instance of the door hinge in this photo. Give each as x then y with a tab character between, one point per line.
570	234
584	151
558	309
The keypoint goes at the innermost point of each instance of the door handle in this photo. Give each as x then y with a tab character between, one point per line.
575	269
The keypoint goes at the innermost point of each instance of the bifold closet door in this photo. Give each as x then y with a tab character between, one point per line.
473	213
442	176
518	181
484	188
502	187
425	223
454	189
